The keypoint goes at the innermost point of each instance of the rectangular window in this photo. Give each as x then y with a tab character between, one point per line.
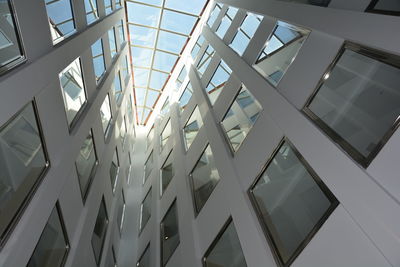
111	260
121	211
225	250
214	15
92	14
245	32
11	50
169	234
112	42
192	127
205	60
128	169
167	172
203	179
145	210
291	201
100	231
181	78
386	7
108	7
86	164
357	101
218	81
105	114
120	28
73	89
226	22
125	68
165	108
118	4
117	86
23	162
61	19
197	46
98	59
240	118
186	96
144	260
166	133
53	246
114	170
148	167
280	51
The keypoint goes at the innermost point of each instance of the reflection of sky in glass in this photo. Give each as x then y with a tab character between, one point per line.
144	15
177	22
194	7
186	95
157	80
151	97
111	39
60	16
98	59
171	42
107	5
245	33
141	56
91	11
142	36
214	14
164	61
141	77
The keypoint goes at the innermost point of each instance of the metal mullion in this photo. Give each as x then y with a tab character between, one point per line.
167	52
162	71
142	25
52	2
63	22
181	12
145	4
178	33
142	46
94	10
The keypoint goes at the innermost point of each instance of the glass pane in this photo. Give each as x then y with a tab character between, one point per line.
323	3
359	100
181	77
214	15
192	127
280	51
118	4
218	81
148	167
226	251
177	22
85	163
145	210
112	41
142	36
120	29
223	27
114	169
165	108
121	210
165	134
92	13
125	68
151	2
52	248
167	172
98	59
197	46
107	6
169	233
291	202
195	6
142	14
157	80
141	77
144	260
117	88
164	61
73	90
245	32
186	96
151	97
171	42
105	114
141	56
205	60
204	178
123	130
150	137
61	19
240	118
99	231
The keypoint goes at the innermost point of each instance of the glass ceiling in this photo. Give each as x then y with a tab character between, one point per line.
158	30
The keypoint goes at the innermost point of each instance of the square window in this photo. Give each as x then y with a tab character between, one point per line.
342	105
203	179
108	7
53	243
205	60
169	234
240	118
292	202
166	133
105	114
245	32
225	250
218	81
148	167
114	170
121	211
92	14
144	260
73	90
98	59
280	51
61	19
112	42
192	127
100	231
186	96
167	173
145	210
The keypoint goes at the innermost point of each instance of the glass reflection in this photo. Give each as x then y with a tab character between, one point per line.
192	127
105	114
112	42
92	14
245	32
186	96
61	19
98	59
218	81
169	234
205	60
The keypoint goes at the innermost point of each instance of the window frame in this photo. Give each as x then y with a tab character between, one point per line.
371	9
102	202
174	203
147	248
186	123
170	154
141	225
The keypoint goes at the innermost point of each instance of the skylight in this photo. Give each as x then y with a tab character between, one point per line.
159	31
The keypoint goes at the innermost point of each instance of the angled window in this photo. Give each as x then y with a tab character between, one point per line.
169	233
86	164
203	179
342	105
148	167
114	170
150	136
214	15
53	246
197	46
292	202
144	260
167	172
225	250
205	60
11	50
108	7
280	51
145	210
245	32
111	260
125	68
192	127
122	132
165	108
323	3
105	114
166	133
129	108
181	77
61	19
100	231
240	118
92	14
73	89
186	96
386	7
112	42
121	211
128	169
23	162
218	81
118	4
120	28
226	22
117	86
98	59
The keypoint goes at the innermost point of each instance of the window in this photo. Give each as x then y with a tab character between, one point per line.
112	42
23	162
120	28
205	60
197	46
167	172
53	246
98	59
181	78
128	169
121	211
323	3
11	50
122	133
145	210
291	201
100	231
144	260
387	7
108	6
186	96
165	108
165	134
61	19
86	164
114	170
280	51
105	114
111	260
226	21
129	108
225	250
117	86
92	14
203	179
192	127
214	15
118	4
342	105
73	90
245	32
148	167
218	81
150	137
240	118
125	68
169	234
